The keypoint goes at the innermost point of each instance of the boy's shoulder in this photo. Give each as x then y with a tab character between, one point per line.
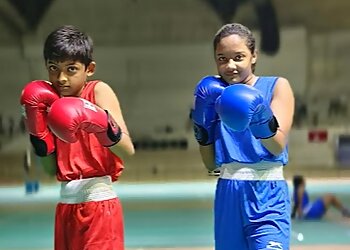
93	82
101	87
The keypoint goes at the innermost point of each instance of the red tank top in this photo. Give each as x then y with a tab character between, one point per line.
86	158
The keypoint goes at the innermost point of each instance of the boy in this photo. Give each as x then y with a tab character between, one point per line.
77	128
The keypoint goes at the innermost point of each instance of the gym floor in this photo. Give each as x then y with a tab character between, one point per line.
176	215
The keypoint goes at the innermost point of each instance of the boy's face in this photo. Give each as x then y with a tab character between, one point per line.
234	60
69	77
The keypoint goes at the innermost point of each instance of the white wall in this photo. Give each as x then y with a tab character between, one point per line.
154	83
291	61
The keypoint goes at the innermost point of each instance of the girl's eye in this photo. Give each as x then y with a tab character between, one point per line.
222	59
238	58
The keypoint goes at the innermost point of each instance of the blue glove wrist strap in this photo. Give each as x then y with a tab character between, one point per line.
265	130
202	135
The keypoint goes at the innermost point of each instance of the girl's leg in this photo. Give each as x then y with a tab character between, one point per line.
332	200
267	214
229	232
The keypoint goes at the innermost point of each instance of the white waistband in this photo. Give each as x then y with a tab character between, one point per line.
83	190
257	171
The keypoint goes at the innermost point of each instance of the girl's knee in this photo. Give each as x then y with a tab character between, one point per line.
328	198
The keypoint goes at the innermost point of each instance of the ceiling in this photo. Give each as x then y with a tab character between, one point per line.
115	20
315	15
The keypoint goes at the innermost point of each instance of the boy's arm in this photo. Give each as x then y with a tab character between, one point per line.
49	164
106	99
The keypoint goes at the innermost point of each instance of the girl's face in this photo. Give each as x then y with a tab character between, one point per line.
69	77
303	184
234	60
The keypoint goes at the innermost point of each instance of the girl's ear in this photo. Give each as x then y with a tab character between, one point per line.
255	57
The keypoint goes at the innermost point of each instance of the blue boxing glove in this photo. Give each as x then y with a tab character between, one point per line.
241	106
203	113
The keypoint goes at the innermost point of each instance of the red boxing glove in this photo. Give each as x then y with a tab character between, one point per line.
70	114
36	98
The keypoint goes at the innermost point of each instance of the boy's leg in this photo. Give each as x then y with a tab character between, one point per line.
90	225
60	241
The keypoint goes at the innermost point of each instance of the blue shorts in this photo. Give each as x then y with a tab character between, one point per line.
252	215
314	210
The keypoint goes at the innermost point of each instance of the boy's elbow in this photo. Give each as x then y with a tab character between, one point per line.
131	152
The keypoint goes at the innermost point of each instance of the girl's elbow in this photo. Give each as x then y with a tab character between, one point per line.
210	167
277	149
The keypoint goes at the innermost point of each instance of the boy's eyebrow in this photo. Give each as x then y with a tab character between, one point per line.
51	62
71	63
67	64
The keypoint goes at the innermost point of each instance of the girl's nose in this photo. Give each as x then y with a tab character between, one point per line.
231	64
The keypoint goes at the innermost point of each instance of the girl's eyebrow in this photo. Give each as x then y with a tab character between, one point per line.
236	52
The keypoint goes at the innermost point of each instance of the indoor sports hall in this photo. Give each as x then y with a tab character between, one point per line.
152	53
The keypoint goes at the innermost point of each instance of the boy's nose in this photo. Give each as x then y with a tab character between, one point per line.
62	77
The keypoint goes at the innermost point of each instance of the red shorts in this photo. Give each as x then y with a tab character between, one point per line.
93	225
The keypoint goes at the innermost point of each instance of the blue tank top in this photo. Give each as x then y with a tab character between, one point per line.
243	147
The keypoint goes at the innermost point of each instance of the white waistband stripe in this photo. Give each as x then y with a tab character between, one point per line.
84	190
251	173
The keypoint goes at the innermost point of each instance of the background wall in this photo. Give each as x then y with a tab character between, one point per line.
154	83
154	52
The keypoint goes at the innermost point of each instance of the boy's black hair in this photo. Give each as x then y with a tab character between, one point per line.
297	181
68	43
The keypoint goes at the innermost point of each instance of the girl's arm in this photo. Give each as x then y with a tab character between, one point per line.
282	106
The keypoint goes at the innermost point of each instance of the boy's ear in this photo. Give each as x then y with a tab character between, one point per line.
90	70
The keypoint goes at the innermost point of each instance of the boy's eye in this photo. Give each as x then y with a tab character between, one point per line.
72	69
52	68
